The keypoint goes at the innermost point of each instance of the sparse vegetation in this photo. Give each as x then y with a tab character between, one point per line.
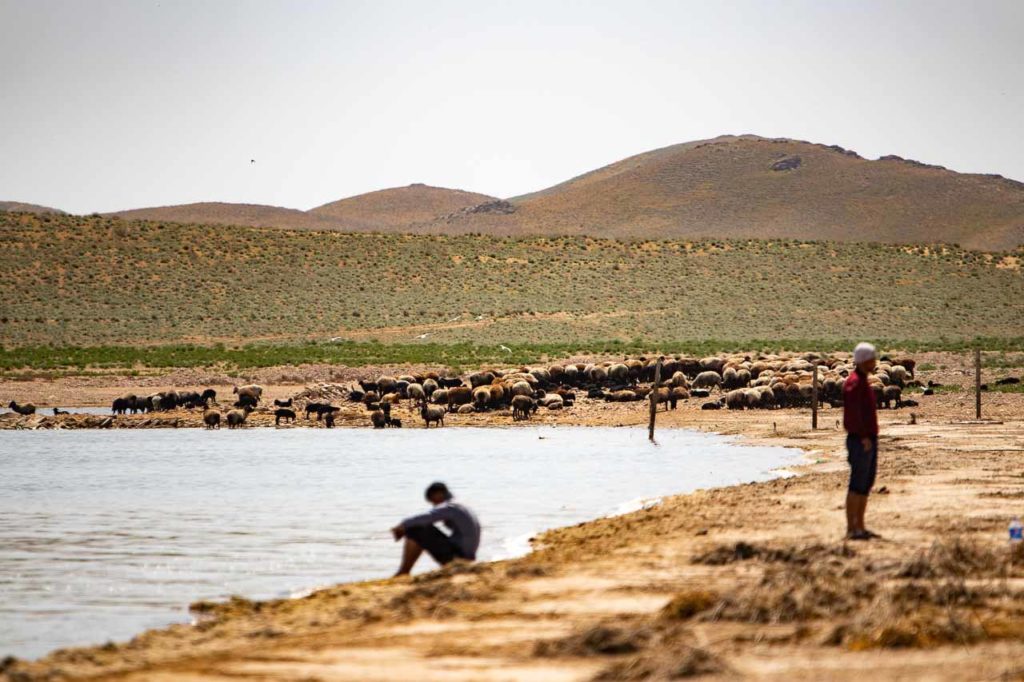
98	281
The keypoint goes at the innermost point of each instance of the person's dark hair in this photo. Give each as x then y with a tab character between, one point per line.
438	487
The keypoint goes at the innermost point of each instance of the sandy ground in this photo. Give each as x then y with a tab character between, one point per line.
751	581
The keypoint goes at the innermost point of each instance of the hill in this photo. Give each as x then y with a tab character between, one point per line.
735	187
399	209
748	186
20	207
218	213
74	280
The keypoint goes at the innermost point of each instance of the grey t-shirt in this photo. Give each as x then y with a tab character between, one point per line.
459	519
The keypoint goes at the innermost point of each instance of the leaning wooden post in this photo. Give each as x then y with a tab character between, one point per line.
977	383
814	396
654	399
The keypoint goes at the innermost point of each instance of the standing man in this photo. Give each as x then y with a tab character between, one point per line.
420	533
861	422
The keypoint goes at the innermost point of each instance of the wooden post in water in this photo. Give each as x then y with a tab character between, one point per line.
654	399
977	383
814	397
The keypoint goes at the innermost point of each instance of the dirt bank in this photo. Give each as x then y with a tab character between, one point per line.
749	581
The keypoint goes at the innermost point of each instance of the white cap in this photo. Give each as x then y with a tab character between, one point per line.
864	352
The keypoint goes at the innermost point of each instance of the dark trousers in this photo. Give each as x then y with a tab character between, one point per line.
863	464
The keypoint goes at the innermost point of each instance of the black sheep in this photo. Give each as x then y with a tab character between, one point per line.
283	403
283	413
245	401
24	410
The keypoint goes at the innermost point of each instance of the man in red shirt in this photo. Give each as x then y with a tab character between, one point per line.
861	422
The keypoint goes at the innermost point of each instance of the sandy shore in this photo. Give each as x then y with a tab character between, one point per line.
749	581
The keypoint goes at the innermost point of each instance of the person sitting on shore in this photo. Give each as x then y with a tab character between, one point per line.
420	533
860	419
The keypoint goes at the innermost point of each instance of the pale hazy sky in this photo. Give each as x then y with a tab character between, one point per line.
108	105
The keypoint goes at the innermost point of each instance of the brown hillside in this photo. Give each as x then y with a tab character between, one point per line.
217	213
399	208
750	186
19	207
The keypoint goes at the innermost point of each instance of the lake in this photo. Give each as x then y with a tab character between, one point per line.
106	533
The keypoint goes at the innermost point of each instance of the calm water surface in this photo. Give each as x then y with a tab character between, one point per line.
106	533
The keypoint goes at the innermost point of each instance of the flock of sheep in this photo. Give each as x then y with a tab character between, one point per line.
738	381
742	382
248	399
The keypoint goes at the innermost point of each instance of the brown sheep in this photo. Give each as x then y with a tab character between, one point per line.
618	374
236	418
481	398
252	391
522	388
707	379
679	393
892	394
480	378
735	399
387	384
459	396
522	406
432	413
212	419
552	401
712	364
378	419
499	394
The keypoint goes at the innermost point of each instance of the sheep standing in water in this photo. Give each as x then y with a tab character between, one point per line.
212	419
378	419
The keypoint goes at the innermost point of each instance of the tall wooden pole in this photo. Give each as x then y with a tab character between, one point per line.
654	399
977	383
814	397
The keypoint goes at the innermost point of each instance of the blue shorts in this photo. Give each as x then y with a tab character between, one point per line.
863	464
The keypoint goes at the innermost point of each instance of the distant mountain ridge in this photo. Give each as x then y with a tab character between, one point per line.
21	207
741	186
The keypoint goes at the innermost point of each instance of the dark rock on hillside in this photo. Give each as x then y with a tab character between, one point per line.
787	163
